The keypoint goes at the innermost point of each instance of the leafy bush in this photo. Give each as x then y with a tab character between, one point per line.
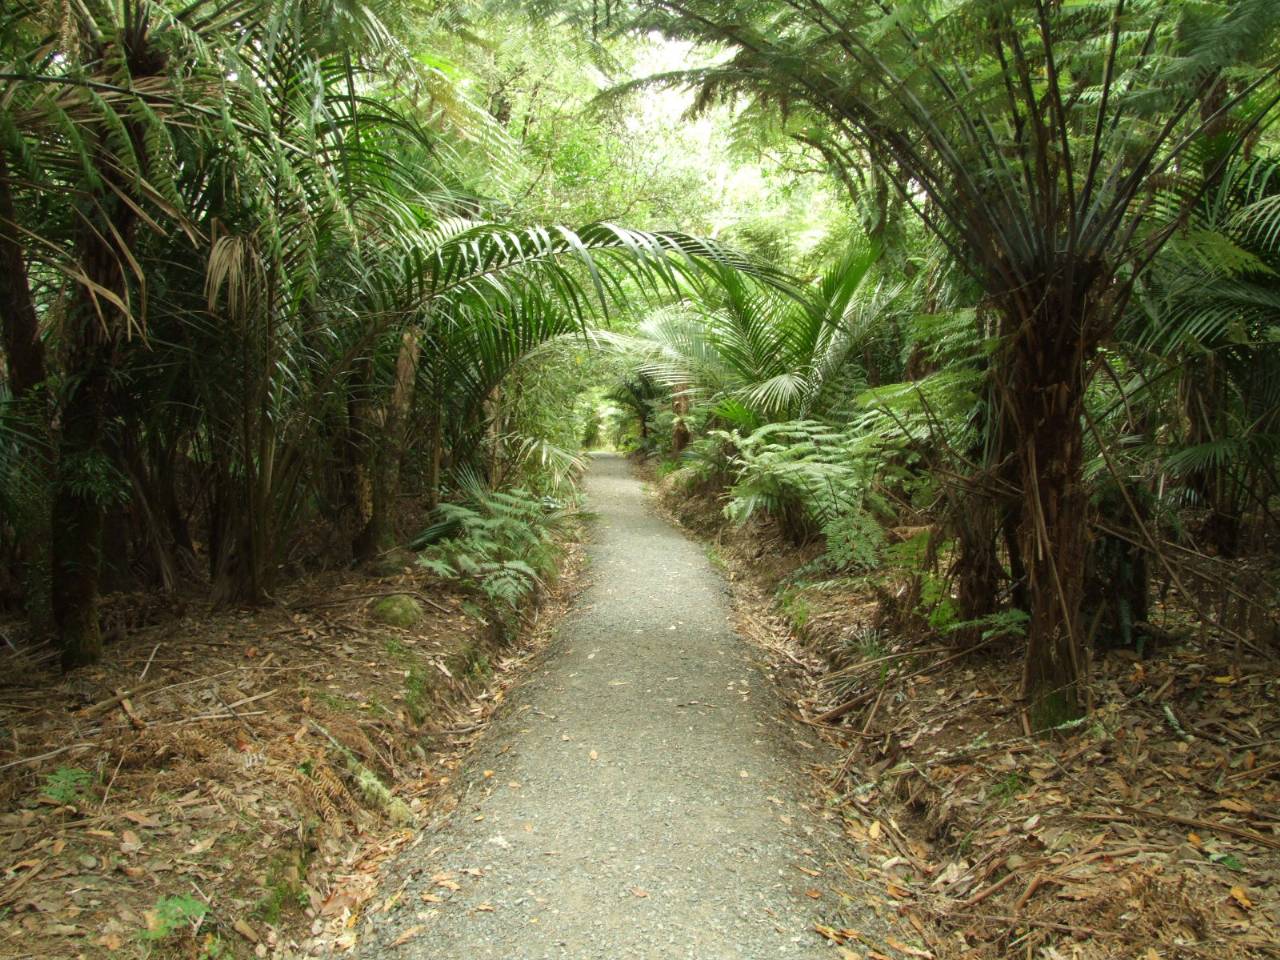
504	542
815	480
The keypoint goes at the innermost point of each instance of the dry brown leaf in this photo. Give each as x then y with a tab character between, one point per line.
112	941
908	950
408	935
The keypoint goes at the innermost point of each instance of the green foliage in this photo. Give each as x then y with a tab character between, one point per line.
505	543
284	889
67	785
173	915
814	480
1007	789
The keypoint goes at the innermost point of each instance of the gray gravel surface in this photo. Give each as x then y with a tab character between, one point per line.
644	801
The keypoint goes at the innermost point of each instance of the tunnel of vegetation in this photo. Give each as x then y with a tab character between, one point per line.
280	279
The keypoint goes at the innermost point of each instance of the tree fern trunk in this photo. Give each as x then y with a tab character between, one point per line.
1046	390
78	503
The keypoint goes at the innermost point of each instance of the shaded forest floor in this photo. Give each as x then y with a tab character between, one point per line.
1150	830
230	784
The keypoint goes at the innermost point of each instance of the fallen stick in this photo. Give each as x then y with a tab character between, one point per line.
996	887
210	716
1047	924
142	676
259	696
1137	812
137	722
11	891
1245	774
46	756
1036	883
102	706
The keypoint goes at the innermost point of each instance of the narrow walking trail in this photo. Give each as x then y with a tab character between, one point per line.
642	800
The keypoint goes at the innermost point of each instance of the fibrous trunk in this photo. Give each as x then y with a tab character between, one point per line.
1045	385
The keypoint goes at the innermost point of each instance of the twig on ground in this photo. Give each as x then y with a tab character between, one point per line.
46	756
142	676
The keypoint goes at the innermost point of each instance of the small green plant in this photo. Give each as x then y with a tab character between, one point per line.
1008	788
936	602
796	608
417	692
172	915
869	643
67	785
284	888
477	666
1227	860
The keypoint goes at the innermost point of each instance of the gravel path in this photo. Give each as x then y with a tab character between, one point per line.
642	799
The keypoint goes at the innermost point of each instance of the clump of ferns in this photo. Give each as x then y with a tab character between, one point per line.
506	544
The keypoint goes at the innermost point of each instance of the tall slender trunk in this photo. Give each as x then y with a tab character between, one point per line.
362	444
25	371
435	457
78	503
1202	390
387	454
23	349
92	335
680	435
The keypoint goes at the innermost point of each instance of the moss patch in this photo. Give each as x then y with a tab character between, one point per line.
397	610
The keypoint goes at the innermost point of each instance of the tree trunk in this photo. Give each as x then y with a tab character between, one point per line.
23	349
680	435
362	432
378	534
78	502
435	458
25	371
1046	390
978	561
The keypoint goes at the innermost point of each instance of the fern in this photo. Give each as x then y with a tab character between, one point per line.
505	544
